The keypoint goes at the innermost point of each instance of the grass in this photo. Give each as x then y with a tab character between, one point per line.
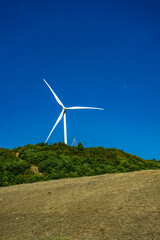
62	238
47	238
121	206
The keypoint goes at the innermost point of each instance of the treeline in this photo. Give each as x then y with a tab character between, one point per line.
56	161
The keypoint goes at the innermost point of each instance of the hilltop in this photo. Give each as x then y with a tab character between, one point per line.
41	162
119	206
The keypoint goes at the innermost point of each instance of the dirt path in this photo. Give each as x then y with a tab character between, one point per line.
113	206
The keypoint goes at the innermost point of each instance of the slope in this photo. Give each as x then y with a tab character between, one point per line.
41	162
112	206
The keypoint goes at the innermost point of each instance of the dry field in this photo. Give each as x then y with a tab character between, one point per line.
112	207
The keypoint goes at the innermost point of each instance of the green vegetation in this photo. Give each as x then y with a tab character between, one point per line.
61	161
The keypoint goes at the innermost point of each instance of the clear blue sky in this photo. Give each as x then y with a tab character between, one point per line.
92	53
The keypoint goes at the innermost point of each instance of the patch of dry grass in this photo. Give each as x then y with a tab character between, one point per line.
108	207
47	238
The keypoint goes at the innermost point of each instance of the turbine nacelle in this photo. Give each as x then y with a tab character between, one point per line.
63	113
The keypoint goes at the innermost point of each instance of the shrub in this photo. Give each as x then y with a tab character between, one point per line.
60	161
35	178
48	165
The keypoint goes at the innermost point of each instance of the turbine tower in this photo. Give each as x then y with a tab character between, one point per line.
63	114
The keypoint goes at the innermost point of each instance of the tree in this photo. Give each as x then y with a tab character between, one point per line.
80	147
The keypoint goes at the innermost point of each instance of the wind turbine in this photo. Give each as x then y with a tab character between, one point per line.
63	114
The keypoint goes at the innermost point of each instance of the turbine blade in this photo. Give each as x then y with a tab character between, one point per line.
70	108
58	120
57	99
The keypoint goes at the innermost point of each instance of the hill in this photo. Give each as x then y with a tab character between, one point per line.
108	207
41	162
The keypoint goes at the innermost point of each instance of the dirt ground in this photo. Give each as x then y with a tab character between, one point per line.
111	207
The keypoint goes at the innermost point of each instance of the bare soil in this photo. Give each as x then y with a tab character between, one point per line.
35	170
112	206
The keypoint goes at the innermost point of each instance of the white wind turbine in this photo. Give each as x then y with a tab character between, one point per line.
63	114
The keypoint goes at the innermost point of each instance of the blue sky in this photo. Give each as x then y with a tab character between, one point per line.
92	53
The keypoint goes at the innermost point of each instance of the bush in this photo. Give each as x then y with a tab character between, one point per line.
62	161
35	178
17	167
19	179
48	165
